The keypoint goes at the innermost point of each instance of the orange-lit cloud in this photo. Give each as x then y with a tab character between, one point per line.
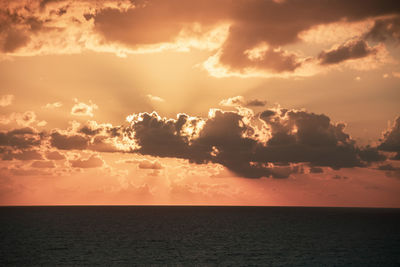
6	100
248	38
53	105
155	98
83	109
22	119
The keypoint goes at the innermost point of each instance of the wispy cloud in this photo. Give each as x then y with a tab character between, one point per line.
83	109
6	100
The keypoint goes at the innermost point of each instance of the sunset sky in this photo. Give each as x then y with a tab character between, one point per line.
188	102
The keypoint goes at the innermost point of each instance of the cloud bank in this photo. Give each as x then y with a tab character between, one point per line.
276	142
245	37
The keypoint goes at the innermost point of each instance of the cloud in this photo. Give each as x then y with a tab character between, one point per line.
6	100
90	136
12	37
316	170
335	32
144	163
247	37
275	60
26	118
93	128
255	103
232	101
82	109
20	138
53	105
235	141
276	142
349	50
22	119
155	98
41	123
390	170
23	155
42	164
92	162
387	29
54	155
387	167
68	142
299	136
153	165
160	136
371	154
240	101
391	139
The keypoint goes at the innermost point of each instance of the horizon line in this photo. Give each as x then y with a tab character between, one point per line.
183	205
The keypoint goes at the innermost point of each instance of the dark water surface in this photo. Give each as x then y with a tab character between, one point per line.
234	236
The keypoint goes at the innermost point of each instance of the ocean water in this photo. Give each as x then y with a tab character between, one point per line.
199	236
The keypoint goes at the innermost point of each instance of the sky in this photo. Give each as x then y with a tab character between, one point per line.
185	102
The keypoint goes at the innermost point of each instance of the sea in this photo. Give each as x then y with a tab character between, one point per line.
198	236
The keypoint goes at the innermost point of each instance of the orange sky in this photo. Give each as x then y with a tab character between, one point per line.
170	102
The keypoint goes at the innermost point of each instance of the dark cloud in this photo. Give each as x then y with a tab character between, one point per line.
161	137
88	16
299	136
224	139
390	170
92	162
391	139
349	50
92	129
385	30
371	154
256	103
68	142
20	138
42	164
54	155
240	101
15	30
87	139
87	130
227	138
157	21
43	3
21	144
14	39
253	23
62	11
233	56
267	113
387	167
23	155
336	176
316	170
